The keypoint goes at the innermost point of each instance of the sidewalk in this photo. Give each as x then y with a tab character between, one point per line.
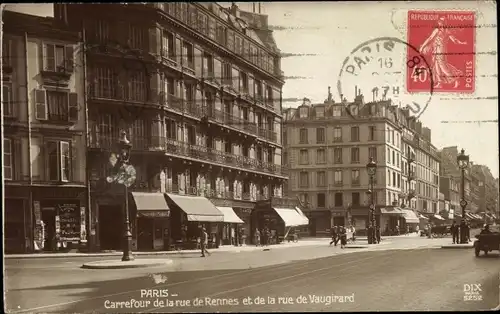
222	249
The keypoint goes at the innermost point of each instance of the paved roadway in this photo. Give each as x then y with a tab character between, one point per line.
373	279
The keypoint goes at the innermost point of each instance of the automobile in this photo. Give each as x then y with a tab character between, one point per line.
487	242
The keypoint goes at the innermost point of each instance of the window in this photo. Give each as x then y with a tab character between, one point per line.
220	34
171	129
304	179
7	101
102	31
337	111
372	153
303	112
355	177
337	155
393	158
397	160
208	65
304	198
188	54
339	201
388	156
56	106
258	89
136	37
320	156
394	184
7	159
243	82
354	134
354	155
6	52
304	157
168	45
338	180
137	87
303	136
227	74
399	180
321	200
269	95
320	135
105	83
371	133
321	178
58	161
57	58
355	198
320	112
337	134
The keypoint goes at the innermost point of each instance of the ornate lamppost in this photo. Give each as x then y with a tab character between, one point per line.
124	174
371	168
463	163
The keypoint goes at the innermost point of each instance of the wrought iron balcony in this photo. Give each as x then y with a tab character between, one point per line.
228	119
178	148
108	142
210	193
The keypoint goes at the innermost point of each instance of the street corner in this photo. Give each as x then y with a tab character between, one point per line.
118	264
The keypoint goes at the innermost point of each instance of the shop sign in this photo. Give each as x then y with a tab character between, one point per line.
37	211
69	216
155	214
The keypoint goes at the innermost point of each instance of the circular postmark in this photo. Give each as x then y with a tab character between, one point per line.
379	69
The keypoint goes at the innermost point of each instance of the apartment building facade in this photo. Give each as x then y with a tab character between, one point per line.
197	88
327	148
44	135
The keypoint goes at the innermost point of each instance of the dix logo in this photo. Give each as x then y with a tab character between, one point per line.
474	288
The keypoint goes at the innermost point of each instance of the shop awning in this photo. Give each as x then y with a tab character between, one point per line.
422	217
151	204
302	214
230	216
457	215
469	215
291	217
391	211
438	217
197	208
478	217
410	216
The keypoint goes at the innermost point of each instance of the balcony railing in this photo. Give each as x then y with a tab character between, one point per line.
231	120
212	193
138	143
208	154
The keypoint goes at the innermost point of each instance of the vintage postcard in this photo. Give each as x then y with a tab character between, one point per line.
248	157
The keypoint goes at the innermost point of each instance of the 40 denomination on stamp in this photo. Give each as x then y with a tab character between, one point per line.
447	41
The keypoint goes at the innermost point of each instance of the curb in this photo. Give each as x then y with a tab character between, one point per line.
71	255
113	264
457	246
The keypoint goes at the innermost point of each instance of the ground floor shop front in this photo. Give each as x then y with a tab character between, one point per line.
45	219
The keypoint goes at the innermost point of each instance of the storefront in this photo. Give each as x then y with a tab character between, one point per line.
391	221
339	218
410	220
229	232
151	221
244	229
279	222
190	213
319	223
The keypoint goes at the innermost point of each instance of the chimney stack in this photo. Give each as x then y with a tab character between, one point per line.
355	91
329	94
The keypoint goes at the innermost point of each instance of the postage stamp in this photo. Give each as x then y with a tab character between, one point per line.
446	40
376	69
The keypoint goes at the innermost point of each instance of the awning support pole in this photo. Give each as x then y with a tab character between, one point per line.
286	234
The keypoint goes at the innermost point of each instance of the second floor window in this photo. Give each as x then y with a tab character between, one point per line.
168	45
320	156
355	177
338	180
8	159
337	134
304	179
320	135
58	161
321	201
354	134
304	157
355	198
303	136
354	155
7	101
337	155
188	54
321	178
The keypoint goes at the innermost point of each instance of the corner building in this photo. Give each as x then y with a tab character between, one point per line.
197	87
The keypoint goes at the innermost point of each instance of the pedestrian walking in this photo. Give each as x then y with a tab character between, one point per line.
407	230
343	237
333	233
454	232
377	234
204	242
468	231
256	237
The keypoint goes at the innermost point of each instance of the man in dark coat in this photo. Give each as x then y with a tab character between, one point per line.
454	232
334	235
378	234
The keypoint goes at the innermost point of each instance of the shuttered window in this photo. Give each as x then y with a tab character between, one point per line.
8	159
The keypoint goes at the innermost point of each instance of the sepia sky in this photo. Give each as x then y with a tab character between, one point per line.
320	35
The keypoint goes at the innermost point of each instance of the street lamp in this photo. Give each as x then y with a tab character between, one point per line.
371	168
463	163
125	174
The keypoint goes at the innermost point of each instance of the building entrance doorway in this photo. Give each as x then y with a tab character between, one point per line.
110	227
312	227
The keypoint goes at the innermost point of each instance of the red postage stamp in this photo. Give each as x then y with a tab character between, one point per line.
446	40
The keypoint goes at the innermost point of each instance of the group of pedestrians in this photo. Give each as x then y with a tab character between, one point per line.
455	231
262	237
341	233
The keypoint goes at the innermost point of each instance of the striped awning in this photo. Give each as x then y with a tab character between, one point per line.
422	217
438	217
410	216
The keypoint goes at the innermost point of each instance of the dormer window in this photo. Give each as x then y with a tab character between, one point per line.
337	111
304	112
320	112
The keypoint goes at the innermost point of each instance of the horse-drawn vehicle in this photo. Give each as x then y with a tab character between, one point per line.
487	243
